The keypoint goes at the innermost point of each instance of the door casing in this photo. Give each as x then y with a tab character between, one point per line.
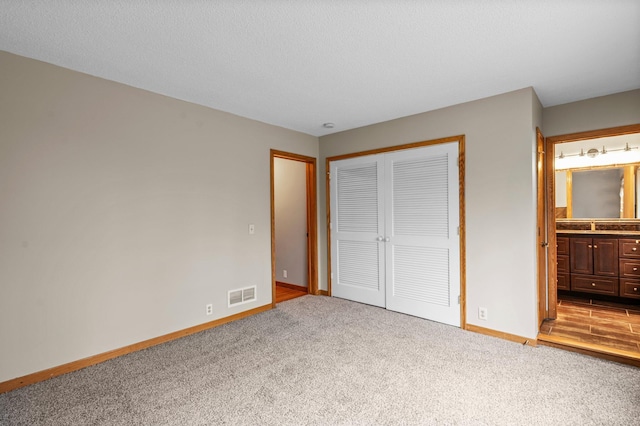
312	222
460	139
552	287
542	237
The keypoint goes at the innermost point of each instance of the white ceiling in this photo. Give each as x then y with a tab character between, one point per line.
299	64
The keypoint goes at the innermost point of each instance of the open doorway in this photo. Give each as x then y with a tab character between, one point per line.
594	272
293	226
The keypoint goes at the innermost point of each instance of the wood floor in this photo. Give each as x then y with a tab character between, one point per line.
596	322
288	292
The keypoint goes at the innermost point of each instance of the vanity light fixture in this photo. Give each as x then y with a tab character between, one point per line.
592	153
594	157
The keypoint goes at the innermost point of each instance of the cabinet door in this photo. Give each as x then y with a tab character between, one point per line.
563	263
564	281
581	257
562	245
605	257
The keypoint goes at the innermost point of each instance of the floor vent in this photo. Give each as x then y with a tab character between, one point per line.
242	295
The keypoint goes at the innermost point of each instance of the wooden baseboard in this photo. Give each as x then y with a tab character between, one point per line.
591	349
40	376
292	286
501	335
323	293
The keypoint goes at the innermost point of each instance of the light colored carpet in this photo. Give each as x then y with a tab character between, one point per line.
325	361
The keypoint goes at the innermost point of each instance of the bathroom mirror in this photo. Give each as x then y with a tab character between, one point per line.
598	178
603	193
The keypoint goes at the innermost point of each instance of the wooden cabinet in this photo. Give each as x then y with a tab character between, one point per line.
594	265
629	267
630	288
629	248
563	278
599	264
594	284
594	256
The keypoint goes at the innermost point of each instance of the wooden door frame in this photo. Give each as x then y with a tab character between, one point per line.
312	221
460	140
552	293
542	234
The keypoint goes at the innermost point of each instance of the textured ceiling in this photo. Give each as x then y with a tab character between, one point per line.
298	64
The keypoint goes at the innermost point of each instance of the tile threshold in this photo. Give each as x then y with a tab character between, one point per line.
592	349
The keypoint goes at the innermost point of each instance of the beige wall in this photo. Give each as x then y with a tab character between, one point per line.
123	213
500	197
290	187
619	109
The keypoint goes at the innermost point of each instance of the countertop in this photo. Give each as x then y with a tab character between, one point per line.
596	232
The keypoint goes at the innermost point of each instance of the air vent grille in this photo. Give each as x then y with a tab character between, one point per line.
235	297
248	294
242	295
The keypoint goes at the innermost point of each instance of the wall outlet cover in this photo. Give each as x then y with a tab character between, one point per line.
483	314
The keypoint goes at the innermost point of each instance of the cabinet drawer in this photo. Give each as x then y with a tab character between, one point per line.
594	284
562	245
630	288
564	283
563	263
629	247
630	268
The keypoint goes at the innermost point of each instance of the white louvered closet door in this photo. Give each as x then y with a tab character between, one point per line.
421	223
357	253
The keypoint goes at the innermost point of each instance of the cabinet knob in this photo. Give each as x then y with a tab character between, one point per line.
595	246
634	249
635	289
589	245
635	269
593	284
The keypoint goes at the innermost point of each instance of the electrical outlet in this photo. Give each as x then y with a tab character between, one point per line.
483	314
284	273
209	309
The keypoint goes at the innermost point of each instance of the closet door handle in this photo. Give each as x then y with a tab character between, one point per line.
380	239
386	240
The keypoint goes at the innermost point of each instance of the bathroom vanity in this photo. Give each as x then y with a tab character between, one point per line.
599	261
